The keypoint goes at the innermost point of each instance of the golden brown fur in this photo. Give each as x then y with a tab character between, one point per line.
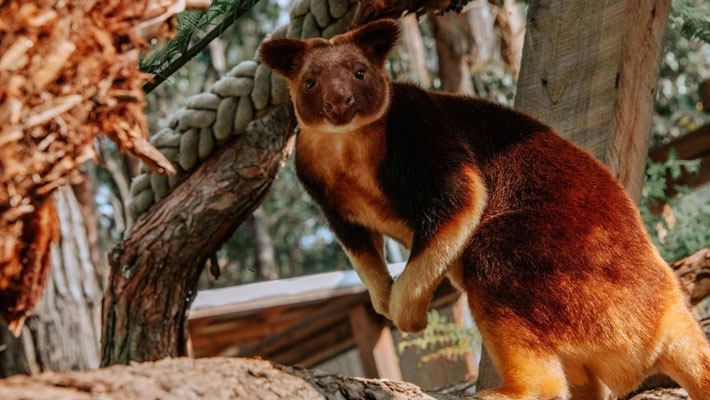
570	296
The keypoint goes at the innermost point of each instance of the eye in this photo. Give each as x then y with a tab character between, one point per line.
310	83
360	74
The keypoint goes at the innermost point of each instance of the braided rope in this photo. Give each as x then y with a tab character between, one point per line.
245	93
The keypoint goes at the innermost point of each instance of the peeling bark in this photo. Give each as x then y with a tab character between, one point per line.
63	332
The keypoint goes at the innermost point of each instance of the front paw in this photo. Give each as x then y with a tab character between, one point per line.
409	312
381	302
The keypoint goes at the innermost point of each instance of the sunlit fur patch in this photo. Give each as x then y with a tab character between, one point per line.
347	165
684	354
528	376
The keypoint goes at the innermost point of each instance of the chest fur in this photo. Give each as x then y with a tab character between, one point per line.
340	170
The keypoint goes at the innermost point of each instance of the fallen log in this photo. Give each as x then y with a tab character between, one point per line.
227	378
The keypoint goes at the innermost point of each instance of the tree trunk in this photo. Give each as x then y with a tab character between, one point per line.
414	49
265	262
217	49
63	332
509	21
155	270
590	71
84	193
479	22
228	378
451	49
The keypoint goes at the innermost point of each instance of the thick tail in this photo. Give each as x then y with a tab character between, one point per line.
686	356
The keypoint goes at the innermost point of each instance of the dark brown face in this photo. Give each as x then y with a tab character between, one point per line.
338	84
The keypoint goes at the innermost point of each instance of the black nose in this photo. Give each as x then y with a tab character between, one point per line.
339	106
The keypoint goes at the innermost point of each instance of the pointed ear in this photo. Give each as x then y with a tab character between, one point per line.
377	38
284	56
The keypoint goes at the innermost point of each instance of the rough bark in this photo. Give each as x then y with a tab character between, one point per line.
154	271
590	72
227	378
63	332
264	259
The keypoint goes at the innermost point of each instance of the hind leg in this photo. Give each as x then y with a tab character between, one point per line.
584	385
686	355
528	377
525	373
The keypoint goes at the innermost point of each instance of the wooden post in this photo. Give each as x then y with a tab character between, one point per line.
589	70
374	341
460	310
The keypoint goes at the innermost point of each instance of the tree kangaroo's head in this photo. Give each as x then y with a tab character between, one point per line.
340	84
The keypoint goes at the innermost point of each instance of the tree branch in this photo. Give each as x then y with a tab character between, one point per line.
227	378
154	272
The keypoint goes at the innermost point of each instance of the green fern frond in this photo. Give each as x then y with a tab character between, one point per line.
190	22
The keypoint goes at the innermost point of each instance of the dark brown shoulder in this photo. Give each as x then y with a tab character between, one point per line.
481	123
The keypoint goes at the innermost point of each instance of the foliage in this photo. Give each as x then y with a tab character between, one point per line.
691	22
441	339
685	63
654	188
190	22
682	228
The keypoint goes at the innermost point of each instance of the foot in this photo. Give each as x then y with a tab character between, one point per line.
407	307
